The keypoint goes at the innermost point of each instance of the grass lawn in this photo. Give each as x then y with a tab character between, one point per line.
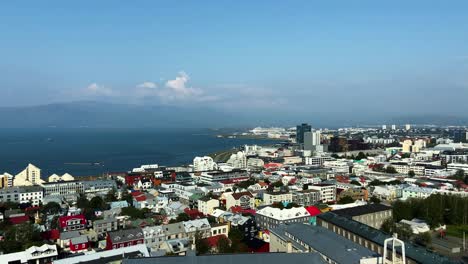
457	230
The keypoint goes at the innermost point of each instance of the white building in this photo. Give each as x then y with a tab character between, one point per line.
207	206
6	180
317	160
327	191
270	217
31	175
407	126
416	192
338	166
32	194
204	164
57	178
278	197
238	160
43	254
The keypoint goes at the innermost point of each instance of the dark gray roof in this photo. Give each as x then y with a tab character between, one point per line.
416	253
270	258
69	234
324	241
362	210
121	236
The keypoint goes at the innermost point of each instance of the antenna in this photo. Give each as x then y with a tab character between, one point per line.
395	242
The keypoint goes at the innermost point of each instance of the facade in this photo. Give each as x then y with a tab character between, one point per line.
204	164
317	160
72	222
238	160
6	180
31	175
103	226
201	226
276	197
372	215
207	205
154	237
242	199
218	176
270	217
300	131
23	194
327	191
98	187
63	188
124	238
43	254
306	197
79	244
416	192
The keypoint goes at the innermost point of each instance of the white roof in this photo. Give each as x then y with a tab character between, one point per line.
284	214
104	254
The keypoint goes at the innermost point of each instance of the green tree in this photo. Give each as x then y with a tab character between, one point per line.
390	169
411	173
388	226
346	200
404	231
361	156
51	208
97	203
291	205
111	196
82	202
423	239
374	200
223	245
354	182
133	212
182	217
201	245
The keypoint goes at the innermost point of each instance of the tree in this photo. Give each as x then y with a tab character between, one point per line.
51	208
305	187
390	169
361	156
388	225
355	183
346	200
411	173
404	231
279	205
223	245
374	200
110	196
460	174
201	245
133	212
182	217
97	203
291	205
423	239
82	202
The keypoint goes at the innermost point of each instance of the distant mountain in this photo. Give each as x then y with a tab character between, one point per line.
96	114
108	115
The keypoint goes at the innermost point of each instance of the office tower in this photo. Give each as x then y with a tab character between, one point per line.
408	126
384	127
300	130
393	127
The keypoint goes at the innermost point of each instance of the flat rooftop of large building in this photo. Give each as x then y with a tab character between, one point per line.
362	210
328	243
270	258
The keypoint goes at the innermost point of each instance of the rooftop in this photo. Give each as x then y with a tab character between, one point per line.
362	210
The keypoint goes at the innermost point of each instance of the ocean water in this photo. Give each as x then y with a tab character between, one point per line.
76	151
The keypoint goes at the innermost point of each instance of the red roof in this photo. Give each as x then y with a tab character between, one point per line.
213	241
137	193
16	220
272	165
53	234
64	219
313	211
140	198
240	210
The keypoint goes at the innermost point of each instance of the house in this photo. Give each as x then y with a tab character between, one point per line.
72	222
206	205
276	197
243	199
79	244
270	217
124	238
118	204
107	256
144	200
43	254
65	237
201	226
154	237
219	229
103	226
327	191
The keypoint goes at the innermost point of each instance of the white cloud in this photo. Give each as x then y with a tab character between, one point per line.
179	89
149	85
96	89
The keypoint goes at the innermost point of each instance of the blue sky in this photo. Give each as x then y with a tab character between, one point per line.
298	56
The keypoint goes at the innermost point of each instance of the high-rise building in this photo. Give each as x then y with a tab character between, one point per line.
459	135
312	140
300	130
384	127
407	126
393	127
